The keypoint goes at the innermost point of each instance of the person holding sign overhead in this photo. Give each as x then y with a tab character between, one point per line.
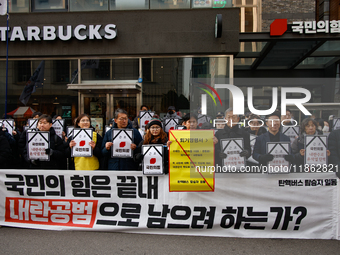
83	121
154	135
55	150
123	129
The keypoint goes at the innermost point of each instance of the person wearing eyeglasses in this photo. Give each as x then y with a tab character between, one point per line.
56	149
154	135
86	163
120	164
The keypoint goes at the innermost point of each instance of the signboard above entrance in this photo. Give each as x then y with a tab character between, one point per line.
64	33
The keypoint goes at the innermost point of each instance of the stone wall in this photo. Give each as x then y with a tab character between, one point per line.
293	10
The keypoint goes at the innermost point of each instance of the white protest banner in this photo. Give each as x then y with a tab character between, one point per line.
252	144
8	124
122	140
3	7
69	131
336	123
32	123
153	163
278	150
37	143
58	126
201	119
144	118
247	206
316	151
179	127
233	147
291	132
170	124
82	137
107	128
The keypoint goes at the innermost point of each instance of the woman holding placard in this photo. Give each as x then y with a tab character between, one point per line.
308	127
154	135
83	121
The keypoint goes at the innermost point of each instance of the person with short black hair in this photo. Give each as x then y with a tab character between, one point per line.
255	126
273	123
190	121
136	121
56	149
231	130
120	164
36	115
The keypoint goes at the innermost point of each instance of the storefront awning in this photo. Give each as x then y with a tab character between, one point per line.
260	51
22	112
106	85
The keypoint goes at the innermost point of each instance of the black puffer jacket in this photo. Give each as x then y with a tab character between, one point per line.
6	156
57	158
334	148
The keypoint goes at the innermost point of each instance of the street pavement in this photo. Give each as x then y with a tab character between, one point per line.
30	241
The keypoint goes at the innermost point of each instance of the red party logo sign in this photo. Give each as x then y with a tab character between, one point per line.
278	27
172	128
82	143
152	161
146	122
122	144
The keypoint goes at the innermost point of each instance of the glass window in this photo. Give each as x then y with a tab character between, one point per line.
169	4
18	6
62	71
95	69
129	4
89	5
252	46
125	69
315	61
22	71
49	5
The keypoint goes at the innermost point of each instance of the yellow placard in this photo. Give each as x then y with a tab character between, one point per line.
191	160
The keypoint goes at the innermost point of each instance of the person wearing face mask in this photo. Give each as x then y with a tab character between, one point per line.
320	125
86	163
325	129
308	126
171	114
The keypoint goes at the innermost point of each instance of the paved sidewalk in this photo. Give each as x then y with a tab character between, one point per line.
29	241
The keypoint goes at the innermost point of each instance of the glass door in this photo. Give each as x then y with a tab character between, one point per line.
95	105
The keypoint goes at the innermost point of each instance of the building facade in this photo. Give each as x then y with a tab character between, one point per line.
104	55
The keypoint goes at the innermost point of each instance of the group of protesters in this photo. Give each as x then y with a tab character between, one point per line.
13	147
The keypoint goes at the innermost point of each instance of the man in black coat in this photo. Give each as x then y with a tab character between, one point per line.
231	130
56	150
334	148
273	135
